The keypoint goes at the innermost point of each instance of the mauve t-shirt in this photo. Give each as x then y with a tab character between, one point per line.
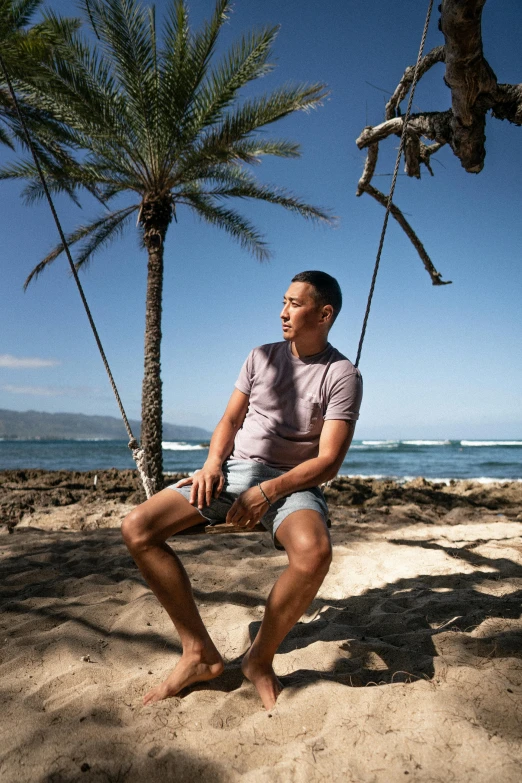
290	398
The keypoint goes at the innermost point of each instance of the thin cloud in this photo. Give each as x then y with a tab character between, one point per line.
37	391
21	362
54	391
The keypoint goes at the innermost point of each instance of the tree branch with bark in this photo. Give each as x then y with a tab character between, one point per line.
475	91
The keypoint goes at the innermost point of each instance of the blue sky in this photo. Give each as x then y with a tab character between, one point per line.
437	362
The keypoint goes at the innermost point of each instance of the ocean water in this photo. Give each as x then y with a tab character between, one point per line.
485	460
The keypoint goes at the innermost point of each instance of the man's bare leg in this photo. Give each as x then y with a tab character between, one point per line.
145	531
305	537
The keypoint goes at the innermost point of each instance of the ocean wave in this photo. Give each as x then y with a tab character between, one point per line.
488	480
406	479
90	440
387	444
426	442
367	476
491	443
174	445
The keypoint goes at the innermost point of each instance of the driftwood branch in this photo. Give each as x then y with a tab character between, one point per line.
427	150
369	168
435	125
428	61
508	103
474	92
436	277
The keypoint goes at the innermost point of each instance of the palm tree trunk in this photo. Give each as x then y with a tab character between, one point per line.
156	215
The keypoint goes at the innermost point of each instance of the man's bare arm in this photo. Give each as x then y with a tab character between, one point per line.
335	440
208	481
334	443
223	437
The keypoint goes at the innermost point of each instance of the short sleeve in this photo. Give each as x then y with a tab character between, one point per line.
246	375
344	400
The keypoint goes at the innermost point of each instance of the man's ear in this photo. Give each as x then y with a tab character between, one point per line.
327	313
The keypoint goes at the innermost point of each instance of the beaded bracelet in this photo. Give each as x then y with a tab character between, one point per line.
264	495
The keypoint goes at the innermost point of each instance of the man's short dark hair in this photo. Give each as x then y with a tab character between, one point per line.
327	289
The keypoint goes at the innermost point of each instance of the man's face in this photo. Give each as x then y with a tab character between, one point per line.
300	316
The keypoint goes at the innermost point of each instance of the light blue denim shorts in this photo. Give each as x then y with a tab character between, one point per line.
240	475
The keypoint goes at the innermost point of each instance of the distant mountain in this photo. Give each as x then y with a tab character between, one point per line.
33	425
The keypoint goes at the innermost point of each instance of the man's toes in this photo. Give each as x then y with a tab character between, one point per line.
148	698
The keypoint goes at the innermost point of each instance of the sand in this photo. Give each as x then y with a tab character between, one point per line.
407	666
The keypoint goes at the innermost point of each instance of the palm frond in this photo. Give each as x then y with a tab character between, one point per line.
235	224
62	175
261	111
25	50
125	30
246	61
111	227
5	138
177	44
249	151
81	91
54	29
259	192
204	40
224	174
229	140
186	55
33	190
205	105
18	13
95	234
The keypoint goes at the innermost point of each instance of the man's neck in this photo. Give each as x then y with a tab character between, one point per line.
303	350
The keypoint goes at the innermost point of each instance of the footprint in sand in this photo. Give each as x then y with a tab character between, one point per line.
237	707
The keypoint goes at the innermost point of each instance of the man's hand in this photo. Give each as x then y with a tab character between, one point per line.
248	509
209	481
206	484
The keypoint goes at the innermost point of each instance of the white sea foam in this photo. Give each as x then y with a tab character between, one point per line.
366	476
388	444
473	480
174	445
486	480
91	440
491	442
405	479
426	442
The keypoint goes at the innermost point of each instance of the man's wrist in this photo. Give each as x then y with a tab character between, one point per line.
268	492
213	462
265	496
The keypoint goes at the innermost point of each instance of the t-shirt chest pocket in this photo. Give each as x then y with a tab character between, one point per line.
307	414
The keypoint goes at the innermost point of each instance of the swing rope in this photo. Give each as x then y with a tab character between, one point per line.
394	180
138	453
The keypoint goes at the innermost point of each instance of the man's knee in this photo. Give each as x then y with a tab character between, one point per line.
312	555
135	530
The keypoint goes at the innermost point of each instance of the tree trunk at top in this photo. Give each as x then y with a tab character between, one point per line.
470	78
156	214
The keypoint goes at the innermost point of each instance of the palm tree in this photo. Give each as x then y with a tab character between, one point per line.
24	49
159	121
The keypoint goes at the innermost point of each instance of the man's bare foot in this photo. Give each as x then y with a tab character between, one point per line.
263	677
190	668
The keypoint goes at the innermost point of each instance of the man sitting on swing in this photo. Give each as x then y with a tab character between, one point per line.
286	430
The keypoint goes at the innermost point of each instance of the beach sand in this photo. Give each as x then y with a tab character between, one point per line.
407	666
